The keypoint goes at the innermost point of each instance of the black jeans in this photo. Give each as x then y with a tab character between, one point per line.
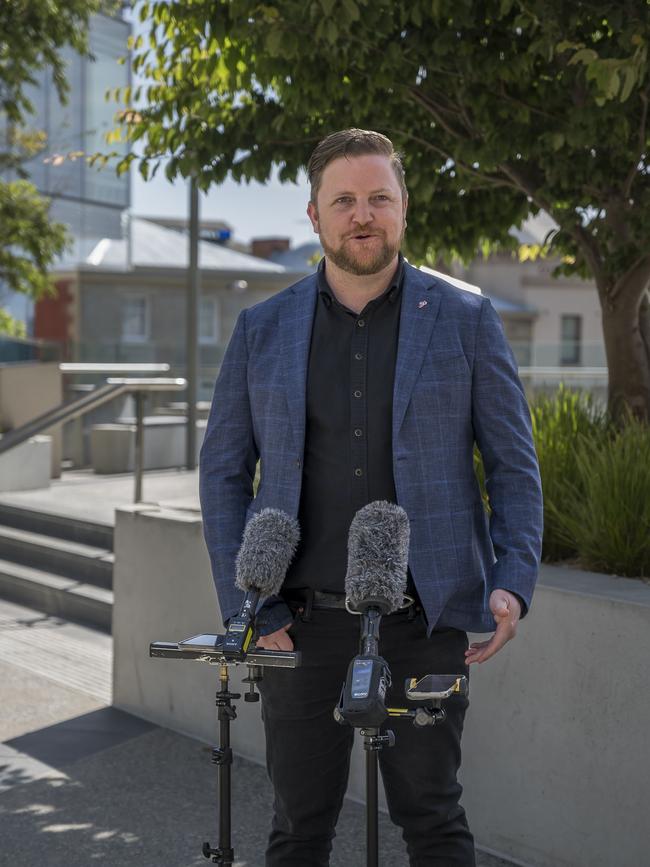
308	753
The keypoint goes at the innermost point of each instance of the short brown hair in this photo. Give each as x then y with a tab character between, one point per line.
351	143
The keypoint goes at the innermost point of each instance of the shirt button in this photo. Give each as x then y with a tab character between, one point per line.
298	463
358	471
361	323
357	394
358	356
358	432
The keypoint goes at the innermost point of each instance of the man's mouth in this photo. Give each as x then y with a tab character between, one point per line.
363	236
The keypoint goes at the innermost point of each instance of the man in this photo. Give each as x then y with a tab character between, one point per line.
372	380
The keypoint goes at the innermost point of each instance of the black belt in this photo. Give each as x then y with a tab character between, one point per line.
313	598
306	599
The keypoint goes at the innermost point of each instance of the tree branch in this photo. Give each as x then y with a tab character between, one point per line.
582	238
637	275
435	111
490	179
634	171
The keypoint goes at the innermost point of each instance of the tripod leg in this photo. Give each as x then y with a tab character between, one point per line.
222	757
372	806
224	772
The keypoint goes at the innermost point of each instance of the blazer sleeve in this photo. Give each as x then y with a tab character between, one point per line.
227	469
227	464
503	434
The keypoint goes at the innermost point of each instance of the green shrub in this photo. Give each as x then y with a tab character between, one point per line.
596	485
560	424
604	513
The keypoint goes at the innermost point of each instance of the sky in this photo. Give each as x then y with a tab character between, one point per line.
253	210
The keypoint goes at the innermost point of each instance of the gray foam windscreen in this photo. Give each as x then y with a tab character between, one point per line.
378	547
268	545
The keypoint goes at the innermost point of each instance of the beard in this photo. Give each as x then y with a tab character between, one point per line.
362	262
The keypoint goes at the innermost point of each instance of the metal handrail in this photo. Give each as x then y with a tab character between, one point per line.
118	367
563	371
80	406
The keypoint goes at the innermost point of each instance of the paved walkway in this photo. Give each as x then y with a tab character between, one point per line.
82	494
82	783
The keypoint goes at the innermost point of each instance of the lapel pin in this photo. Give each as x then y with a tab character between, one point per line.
422	304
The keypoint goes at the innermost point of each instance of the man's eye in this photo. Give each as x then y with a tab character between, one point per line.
344	200
382	197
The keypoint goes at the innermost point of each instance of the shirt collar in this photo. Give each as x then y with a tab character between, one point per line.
392	290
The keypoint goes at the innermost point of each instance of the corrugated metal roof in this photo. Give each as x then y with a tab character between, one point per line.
154	246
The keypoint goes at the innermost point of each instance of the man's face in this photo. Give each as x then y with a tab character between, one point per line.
360	213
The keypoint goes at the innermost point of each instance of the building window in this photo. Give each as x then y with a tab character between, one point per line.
208	321
135	319
570	347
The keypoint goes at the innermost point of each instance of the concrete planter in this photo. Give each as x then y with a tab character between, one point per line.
555	768
27	467
556	762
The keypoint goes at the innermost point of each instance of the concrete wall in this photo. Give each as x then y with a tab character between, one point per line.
556	767
26	391
556	762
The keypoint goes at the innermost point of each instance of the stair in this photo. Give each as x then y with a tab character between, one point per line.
59	565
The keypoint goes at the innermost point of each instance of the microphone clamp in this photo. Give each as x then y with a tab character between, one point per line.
407	602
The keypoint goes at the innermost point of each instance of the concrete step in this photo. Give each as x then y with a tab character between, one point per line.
61	526
56	594
72	560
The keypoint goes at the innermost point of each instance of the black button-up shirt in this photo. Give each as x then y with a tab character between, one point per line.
348	437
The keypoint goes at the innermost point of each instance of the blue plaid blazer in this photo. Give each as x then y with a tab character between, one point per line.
456	384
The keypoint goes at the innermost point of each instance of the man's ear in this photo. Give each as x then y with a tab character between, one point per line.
312	213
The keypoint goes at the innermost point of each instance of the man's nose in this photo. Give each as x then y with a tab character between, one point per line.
362	213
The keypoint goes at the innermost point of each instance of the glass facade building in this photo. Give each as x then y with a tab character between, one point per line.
92	202
89	200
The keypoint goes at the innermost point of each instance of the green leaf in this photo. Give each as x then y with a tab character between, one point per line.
558	141
630	74
585	55
352	9
274	41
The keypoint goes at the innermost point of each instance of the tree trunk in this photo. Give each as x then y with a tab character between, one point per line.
626	330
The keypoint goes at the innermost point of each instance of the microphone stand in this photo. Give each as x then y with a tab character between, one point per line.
362	705
217	650
373	741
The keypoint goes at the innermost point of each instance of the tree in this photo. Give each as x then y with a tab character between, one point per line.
502	108
33	34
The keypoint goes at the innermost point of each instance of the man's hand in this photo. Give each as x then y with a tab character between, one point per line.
506	610
278	640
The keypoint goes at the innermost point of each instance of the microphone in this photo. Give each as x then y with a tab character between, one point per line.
378	547
375	584
269	543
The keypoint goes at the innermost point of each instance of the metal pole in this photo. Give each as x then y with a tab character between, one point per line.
192	347
372	804
138	460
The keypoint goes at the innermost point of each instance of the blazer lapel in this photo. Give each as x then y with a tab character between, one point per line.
296	320
418	314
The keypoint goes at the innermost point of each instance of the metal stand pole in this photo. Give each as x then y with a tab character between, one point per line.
138	458
372	805
222	757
